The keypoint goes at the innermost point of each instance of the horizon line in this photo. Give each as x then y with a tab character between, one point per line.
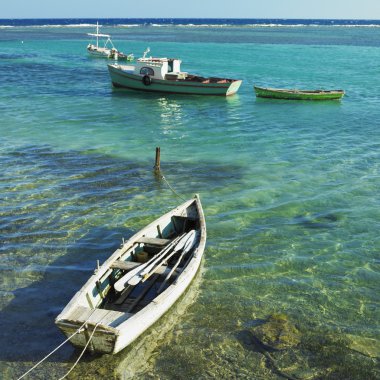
186	18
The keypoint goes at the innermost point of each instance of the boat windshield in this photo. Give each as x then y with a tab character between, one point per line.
146	71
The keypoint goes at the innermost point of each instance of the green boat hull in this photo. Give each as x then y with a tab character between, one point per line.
124	79
273	93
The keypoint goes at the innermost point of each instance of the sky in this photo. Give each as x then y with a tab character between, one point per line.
320	9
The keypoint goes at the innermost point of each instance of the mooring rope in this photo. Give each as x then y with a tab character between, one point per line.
57	348
84	349
171	188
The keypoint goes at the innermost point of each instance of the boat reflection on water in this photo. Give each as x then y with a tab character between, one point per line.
172	114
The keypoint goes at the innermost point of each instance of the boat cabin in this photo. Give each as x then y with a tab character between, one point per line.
159	68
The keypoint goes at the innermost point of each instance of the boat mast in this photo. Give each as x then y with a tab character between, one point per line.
97	34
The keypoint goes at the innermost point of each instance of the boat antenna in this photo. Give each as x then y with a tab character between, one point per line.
146	52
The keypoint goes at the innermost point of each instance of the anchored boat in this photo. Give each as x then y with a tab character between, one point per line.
165	75
108	49
277	93
138	283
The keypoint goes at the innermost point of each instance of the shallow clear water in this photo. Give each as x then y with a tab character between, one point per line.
290	191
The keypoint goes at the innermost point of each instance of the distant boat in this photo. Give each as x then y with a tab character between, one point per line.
108	49
277	93
138	283
165	75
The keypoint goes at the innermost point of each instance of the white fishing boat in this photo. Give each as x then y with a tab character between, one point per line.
107	50
138	283
165	75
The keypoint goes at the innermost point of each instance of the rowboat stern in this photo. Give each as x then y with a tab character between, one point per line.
84	325
98	338
234	87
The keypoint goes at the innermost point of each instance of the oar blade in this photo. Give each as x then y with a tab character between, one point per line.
123	282
191	237
184	241
134	280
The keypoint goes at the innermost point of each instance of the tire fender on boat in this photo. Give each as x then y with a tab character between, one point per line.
147	80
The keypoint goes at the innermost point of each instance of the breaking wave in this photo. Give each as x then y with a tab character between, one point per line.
187	23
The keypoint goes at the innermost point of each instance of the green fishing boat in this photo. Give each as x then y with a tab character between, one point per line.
277	93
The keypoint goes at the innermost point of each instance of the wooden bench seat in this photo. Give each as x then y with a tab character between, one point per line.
154	241
125	265
105	317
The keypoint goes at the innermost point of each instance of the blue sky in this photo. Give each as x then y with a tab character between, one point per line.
339	9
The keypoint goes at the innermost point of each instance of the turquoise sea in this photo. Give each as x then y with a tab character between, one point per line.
290	192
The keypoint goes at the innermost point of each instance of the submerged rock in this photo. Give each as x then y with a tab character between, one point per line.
277	333
317	220
366	346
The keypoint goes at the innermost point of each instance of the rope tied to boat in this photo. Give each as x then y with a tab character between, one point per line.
81	328
81	354
171	188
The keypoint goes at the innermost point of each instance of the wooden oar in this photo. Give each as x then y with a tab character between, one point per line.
180	244
151	268
122	282
188	246
189	242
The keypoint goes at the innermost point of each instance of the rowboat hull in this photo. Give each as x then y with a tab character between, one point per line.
274	93
95	316
124	78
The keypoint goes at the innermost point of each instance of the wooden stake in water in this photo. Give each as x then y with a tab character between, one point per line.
157	162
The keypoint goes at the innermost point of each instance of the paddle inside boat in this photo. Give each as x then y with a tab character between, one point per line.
138	283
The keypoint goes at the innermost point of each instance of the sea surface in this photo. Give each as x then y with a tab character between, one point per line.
290	192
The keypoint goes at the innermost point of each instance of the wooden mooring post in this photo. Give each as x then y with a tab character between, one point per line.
157	162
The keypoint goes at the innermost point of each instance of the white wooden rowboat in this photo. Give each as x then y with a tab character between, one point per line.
138	283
